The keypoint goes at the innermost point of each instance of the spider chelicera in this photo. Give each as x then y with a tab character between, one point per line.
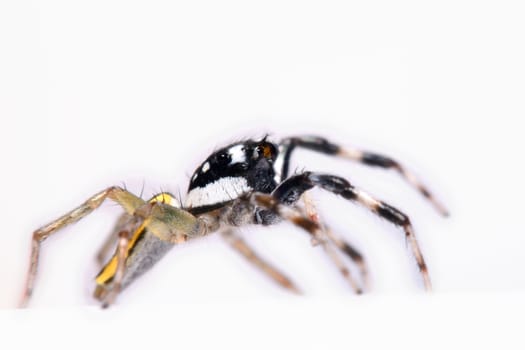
243	183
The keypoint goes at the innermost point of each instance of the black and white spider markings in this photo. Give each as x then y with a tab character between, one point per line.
243	183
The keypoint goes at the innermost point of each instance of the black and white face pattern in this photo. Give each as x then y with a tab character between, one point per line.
231	172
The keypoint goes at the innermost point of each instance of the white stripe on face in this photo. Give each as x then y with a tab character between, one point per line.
222	190
237	154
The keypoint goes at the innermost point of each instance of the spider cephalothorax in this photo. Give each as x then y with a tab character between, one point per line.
231	172
244	183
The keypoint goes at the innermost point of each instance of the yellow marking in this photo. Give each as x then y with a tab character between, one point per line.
163	198
111	267
109	270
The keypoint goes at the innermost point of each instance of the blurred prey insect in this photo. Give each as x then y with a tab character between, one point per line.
243	183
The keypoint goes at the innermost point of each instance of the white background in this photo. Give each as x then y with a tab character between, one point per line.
110	92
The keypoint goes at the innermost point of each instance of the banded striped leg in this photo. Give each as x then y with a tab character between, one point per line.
310	226
237	243
289	193
338	241
298	184
322	145
124	198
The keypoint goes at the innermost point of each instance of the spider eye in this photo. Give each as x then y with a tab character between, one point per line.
223	157
266	150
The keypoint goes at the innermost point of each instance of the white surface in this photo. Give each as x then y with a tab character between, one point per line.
441	321
110	92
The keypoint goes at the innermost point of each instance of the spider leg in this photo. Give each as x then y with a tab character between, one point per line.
336	259
351	252
121	255
322	145
124	198
338	241
312	227
124	223
237	243
293	187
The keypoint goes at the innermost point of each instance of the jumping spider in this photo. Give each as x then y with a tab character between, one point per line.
243	183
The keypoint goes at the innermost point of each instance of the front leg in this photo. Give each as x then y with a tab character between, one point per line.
293	187
322	145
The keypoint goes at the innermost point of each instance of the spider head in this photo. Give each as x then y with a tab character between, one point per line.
233	171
